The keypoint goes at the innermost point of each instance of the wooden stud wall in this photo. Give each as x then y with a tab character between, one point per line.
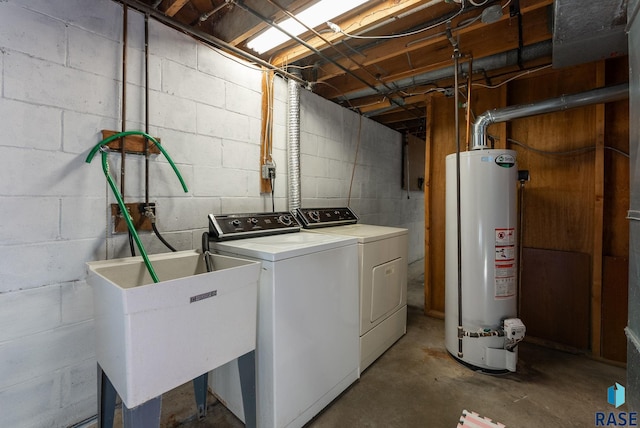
440	142
559	199
266	130
573	203
615	241
616	185
413	168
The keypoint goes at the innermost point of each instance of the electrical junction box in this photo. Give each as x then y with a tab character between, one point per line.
269	170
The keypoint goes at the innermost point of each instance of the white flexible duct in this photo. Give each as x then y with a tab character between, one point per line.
293	143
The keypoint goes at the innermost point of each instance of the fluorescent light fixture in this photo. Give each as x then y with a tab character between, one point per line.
313	16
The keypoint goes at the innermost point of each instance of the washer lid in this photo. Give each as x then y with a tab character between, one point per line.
280	247
364	232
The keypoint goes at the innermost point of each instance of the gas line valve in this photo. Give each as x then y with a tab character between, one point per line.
514	331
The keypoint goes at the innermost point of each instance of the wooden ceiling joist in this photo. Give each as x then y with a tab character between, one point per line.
175	7
371	17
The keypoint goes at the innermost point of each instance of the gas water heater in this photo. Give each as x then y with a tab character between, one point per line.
481	325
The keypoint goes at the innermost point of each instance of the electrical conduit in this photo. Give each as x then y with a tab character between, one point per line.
114	188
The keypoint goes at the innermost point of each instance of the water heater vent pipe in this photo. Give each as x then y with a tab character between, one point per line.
565	102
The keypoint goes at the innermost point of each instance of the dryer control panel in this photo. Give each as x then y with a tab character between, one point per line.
235	226
311	218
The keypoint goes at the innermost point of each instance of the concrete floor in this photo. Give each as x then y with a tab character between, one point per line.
416	383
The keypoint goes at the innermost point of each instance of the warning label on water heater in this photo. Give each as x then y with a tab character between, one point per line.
507	252
505	286
505	267
505	236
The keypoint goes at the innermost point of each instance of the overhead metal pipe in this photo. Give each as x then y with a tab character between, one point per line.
212	12
565	102
493	62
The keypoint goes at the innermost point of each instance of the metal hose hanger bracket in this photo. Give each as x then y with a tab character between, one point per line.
114	188
107	140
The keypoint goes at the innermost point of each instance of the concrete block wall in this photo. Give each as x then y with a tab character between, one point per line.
350	160
60	85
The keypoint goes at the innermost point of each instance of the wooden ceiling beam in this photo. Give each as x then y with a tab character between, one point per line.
399	48
382	62
175	7
398	115
203	6
376	105
239	25
481	43
371	17
389	50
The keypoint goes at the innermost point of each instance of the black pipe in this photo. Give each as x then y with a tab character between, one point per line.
125	25
132	247
523	177
206	251
515	11
157	232
146	109
146	130
125	14
456	56
273	196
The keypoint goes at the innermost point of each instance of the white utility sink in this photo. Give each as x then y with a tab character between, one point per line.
151	338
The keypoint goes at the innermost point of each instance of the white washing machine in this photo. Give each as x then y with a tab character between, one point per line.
382	273
307	326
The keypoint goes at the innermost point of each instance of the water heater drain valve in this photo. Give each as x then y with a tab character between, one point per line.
514	331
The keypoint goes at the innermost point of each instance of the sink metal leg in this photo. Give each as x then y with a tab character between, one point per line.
145	415
247	369
200	387
106	400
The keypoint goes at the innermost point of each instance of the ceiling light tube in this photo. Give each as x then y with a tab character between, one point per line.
313	16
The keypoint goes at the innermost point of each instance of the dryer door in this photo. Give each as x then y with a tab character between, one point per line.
386	289
383	276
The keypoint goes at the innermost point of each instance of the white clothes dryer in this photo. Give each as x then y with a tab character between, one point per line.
382	273
307	325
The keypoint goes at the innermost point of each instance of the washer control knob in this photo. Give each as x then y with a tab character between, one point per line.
235	223
253	220
285	219
314	215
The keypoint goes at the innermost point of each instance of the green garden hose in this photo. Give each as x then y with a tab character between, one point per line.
107	140
114	188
